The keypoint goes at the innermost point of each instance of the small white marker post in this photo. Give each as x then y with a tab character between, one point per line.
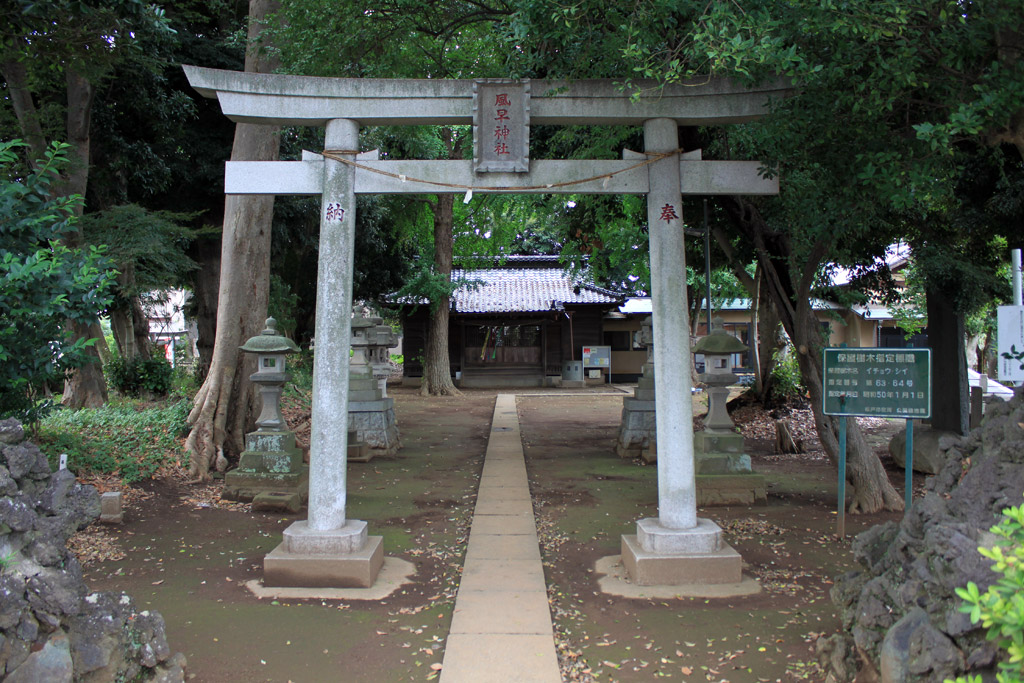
63	461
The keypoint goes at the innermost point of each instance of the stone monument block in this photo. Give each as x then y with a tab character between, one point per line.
111	511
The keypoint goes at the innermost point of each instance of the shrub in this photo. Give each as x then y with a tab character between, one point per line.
123	439
786	381
1000	609
139	377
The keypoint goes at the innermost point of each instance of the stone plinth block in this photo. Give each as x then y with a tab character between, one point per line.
642	394
359	451
277	502
374	422
722	463
721	567
300	539
637	429
706	537
710	441
111	511
359	569
270	441
271	452
244	486
731	489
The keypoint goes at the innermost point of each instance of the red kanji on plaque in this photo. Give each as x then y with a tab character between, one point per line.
501	148
502	132
502	115
334	212
502	100
668	213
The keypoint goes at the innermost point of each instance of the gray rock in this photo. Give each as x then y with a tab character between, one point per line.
13	653
11	431
20	459
55	591
900	611
929	455
12	601
49	631
913	648
172	671
17	512
8	486
51	664
82	507
869	547
28	628
54	496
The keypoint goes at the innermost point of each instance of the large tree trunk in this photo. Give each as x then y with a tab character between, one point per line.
437	373
872	489
20	94
225	404
128	322
950	406
765	320
205	286
86	388
768	341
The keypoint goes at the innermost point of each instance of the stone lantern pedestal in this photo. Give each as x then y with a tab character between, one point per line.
638	429
270	471
371	416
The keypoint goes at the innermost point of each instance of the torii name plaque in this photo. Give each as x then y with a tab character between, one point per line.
501	125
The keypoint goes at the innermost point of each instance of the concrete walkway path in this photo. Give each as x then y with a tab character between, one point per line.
501	628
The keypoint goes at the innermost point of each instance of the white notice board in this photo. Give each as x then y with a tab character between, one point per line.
597	356
1011	344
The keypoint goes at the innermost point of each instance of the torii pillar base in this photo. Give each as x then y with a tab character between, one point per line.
659	556
342	558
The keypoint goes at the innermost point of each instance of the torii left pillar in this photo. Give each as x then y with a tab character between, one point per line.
327	549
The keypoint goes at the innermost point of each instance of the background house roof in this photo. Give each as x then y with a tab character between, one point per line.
524	285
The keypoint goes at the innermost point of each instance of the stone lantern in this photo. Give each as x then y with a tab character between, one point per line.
718	349
371	415
724	470
270	471
270	349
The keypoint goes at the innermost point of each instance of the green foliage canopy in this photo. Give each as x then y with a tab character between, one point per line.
43	283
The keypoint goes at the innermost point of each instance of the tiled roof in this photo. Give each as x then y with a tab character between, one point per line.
523	290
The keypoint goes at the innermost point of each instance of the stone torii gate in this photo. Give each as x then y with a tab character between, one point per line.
328	549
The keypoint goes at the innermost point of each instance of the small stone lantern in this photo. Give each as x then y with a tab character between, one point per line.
270	470
270	349
718	349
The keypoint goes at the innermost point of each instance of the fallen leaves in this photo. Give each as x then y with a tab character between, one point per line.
96	544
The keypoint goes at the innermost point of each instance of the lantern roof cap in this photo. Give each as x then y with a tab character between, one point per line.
269	341
719	341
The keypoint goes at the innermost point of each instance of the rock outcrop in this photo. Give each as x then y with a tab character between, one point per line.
51	628
900	613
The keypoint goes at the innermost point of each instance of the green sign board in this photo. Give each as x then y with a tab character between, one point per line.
878	382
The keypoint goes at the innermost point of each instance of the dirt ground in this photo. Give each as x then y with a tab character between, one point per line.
185	553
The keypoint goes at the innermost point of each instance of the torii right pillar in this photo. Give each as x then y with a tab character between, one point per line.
676	548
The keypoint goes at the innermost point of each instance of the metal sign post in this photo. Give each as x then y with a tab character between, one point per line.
841	507
870	382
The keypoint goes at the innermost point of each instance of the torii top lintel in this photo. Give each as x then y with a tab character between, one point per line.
281	99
